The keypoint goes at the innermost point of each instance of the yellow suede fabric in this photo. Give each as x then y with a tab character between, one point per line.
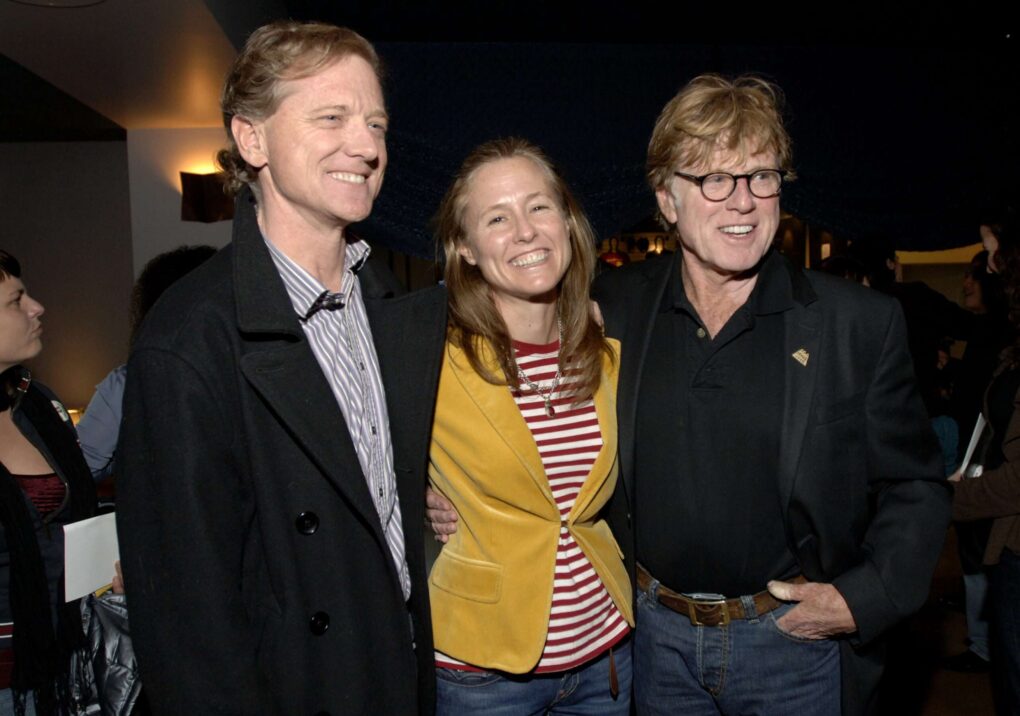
491	587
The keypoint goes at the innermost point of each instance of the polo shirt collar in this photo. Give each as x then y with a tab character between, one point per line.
772	293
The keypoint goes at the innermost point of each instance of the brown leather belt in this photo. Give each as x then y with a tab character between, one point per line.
710	612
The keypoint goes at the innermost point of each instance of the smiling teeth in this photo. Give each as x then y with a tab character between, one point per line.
737	229
531	259
345	176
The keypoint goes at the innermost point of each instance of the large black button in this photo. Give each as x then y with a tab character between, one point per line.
307	523
319	623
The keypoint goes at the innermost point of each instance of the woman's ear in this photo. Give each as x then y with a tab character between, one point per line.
465	251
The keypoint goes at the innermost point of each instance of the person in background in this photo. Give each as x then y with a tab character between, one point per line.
996	492
531	603
99	427
44	484
990	333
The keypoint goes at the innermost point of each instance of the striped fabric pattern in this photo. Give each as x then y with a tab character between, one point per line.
341	341
583	621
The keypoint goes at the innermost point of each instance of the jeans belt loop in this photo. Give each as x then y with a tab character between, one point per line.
750	608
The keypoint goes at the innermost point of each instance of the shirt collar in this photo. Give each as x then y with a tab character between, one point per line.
304	289
772	292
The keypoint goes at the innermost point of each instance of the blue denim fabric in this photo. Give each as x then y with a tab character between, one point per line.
7	703
746	667
583	691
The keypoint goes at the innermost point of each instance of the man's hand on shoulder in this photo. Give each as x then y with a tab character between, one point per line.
821	611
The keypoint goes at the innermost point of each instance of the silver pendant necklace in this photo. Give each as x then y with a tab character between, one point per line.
546	395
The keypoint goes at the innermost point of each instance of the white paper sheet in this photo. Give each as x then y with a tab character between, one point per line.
90	549
979	428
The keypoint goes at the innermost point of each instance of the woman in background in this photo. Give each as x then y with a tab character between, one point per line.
996	492
44	484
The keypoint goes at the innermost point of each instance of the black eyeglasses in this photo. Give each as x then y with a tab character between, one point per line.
718	186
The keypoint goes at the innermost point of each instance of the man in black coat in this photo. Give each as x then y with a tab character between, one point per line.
270	502
782	491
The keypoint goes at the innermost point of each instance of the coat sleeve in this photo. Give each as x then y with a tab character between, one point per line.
997	492
182	527
911	497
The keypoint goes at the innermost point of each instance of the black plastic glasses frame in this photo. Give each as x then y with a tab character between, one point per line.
700	180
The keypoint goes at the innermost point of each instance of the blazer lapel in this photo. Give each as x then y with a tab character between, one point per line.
634	330
801	358
409	334
497	405
280	365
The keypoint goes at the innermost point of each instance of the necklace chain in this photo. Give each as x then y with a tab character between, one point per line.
547	395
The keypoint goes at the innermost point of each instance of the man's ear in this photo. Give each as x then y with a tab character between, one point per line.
667	204
250	140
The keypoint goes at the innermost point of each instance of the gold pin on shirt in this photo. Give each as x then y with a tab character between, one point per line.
801	356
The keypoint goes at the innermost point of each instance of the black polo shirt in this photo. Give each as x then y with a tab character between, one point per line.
708	513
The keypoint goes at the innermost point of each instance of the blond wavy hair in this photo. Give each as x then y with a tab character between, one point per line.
743	115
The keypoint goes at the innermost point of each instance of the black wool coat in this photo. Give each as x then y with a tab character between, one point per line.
258	576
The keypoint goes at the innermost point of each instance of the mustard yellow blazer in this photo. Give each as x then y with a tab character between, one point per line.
491	587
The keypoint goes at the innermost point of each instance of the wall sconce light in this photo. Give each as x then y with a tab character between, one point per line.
203	198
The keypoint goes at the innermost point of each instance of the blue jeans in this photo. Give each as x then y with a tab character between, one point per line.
583	691
7	703
746	667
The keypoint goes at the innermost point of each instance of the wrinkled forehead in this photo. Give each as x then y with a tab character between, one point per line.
731	154
310	70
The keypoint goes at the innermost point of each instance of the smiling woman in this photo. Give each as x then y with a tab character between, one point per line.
44	484
530	595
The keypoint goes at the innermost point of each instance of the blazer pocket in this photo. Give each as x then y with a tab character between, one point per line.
839	409
467	578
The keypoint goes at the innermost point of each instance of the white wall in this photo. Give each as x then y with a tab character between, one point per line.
66	218
155	159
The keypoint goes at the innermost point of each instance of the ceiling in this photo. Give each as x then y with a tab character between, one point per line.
902	121
160	63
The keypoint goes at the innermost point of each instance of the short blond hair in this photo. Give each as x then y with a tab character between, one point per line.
711	112
280	51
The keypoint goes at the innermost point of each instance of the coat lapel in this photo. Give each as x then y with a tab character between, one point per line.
801	358
634	330
280	366
409	333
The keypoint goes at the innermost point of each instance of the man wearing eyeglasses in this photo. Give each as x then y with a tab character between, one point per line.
782	492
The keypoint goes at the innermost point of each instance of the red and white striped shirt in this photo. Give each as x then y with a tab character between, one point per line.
583	620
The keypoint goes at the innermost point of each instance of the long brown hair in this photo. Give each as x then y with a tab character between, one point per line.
474	321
